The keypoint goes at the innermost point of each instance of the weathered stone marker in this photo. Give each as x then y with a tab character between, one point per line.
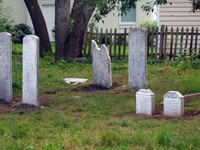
145	102
6	92
31	70
173	104
137	58
101	66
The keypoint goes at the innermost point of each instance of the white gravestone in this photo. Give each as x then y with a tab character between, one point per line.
6	92
173	104
145	102
137	58
101	66
31	70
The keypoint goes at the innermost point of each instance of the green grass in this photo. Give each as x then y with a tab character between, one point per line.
99	119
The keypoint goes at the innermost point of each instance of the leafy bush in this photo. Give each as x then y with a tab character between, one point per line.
148	24
5	18
21	30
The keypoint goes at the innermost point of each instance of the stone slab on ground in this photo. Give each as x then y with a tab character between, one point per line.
173	104
75	81
102	74
145	102
30	70
137	58
6	91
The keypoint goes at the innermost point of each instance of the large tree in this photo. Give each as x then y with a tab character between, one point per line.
39	26
71	27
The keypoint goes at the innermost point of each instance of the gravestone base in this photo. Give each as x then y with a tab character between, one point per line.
145	102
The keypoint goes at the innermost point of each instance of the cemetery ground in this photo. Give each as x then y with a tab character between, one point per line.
89	117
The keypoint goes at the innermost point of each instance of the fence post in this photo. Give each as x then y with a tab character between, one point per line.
186	41
124	53
165	43
196	41
156	52
111	43
115	43
181	44
176	42
90	42
161	41
171	46
191	41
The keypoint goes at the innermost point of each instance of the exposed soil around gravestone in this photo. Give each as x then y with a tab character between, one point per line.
159	115
24	106
3	102
93	88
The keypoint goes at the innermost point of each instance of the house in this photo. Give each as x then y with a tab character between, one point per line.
131	19
179	15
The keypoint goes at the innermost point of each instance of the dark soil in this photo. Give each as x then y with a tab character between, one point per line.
159	115
93	88
3	102
24	106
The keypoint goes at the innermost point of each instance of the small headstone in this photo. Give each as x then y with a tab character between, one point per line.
6	92
145	102
101	66
173	104
137	58
30	70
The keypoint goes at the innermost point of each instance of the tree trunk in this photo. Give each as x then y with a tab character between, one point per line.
80	17
39	25
62	26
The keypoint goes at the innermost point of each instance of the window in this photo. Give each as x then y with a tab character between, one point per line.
129	17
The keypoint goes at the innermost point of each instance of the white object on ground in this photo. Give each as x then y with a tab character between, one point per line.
75	81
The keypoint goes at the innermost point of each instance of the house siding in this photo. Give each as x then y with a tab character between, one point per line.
179	14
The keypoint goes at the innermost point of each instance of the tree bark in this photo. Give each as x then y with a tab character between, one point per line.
62	26
80	15
39	26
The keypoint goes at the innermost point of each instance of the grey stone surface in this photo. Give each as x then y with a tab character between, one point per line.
101	62
6	92
137	58
75	81
173	104
145	102
31	70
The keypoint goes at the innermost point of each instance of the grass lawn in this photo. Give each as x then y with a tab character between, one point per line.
83	117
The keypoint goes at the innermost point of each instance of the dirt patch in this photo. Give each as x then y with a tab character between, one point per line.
93	88
159	115
3	102
50	92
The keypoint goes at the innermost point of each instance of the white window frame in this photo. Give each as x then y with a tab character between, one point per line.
128	23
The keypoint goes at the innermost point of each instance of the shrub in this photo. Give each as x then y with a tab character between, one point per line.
21	30
5	18
148	24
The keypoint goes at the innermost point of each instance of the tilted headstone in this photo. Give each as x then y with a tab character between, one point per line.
173	104
31	70
145	102
101	66
137	58
6	92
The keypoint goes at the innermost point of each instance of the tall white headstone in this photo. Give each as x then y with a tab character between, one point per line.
173	104
31	70
145	102
6	92
137	58
101	66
